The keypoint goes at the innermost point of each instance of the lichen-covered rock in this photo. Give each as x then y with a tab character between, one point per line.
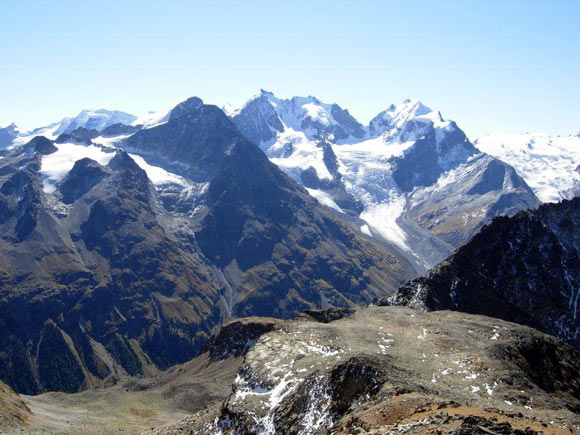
389	367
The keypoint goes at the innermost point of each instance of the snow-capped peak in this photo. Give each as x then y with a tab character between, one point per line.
309	115
98	119
95	119
10	125
393	121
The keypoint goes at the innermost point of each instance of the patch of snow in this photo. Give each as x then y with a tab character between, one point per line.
318	113
294	152
489	388
110	141
324	198
157	175
153	119
230	110
317	413
55	166
366	230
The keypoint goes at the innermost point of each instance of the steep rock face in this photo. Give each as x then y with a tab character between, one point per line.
40	145
116	292
119	129
454	211
424	162
185	107
386	174
198	138
529	262
259	121
59	366
84	175
134	265
235	338
392	369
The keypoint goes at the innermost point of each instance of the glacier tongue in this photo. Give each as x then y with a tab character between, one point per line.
383	217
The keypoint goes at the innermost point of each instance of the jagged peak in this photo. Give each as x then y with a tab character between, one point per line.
409	108
395	117
123	161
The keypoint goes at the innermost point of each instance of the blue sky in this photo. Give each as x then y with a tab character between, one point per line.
508	65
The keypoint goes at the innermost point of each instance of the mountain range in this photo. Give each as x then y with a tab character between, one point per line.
111	269
411	177
146	232
391	179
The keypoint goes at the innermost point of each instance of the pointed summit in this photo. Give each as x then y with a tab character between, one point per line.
185	107
396	118
7	134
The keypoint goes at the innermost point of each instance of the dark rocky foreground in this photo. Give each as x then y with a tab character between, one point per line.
525	269
395	370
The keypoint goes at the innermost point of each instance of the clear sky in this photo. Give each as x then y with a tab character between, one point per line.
505	65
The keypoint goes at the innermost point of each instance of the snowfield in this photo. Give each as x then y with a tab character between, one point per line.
55	166
550	165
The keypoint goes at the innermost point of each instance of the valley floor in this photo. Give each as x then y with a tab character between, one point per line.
132	406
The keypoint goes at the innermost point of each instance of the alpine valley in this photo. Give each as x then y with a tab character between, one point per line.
209	270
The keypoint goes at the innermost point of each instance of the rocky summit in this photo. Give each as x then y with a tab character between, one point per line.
397	370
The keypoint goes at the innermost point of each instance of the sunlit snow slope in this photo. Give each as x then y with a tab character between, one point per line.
550	165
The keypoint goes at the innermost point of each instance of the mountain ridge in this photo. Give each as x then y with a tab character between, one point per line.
528	261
